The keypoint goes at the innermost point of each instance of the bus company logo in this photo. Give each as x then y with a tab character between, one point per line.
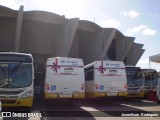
62	61
115	65
107	64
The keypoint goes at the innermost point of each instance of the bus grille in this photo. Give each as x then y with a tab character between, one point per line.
8	101
3	97
133	88
11	92
132	94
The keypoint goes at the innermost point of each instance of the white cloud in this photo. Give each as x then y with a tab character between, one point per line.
144	61
141	29
149	32
137	29
109	23
131	13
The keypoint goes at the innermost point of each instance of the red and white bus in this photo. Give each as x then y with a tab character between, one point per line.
105	78
64	78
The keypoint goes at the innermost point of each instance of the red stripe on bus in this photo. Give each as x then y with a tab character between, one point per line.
66	66
110	75
65	74
111	68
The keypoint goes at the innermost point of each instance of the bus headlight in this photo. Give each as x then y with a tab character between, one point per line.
27	94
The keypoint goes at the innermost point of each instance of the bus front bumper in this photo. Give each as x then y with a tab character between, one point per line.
135	94
25	102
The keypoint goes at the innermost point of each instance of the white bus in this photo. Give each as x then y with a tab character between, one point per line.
105	78
16	79
135	86
64	78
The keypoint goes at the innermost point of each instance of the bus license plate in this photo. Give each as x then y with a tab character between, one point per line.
111	94
65	95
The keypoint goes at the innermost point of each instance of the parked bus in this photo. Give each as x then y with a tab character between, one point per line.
158	92
16	79
150	81
105	78
64	78
134	81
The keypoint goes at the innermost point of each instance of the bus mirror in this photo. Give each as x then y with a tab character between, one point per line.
128	73
35	68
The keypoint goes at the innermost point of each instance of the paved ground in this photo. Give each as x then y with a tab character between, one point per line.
101	109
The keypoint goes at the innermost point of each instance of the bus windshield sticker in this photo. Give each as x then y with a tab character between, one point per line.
101	87
53	87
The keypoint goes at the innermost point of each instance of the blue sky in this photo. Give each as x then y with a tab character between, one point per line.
137	18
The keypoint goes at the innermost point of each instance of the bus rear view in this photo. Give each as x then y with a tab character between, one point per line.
105	78
64	78
16	79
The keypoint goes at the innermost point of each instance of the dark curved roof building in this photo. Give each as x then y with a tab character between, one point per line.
45	34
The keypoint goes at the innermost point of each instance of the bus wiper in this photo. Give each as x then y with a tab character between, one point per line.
2	68
4	85
15	68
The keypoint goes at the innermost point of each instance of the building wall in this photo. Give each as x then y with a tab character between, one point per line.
7	33
91	45
45	34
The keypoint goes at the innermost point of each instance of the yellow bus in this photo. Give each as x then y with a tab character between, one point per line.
16	79
135	87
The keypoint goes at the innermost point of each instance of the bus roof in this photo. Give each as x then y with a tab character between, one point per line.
93	63
64	58
132	66
65	61
13	53
15	57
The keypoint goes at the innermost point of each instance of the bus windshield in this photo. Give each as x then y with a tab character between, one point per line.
15	75
134	77
151	79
